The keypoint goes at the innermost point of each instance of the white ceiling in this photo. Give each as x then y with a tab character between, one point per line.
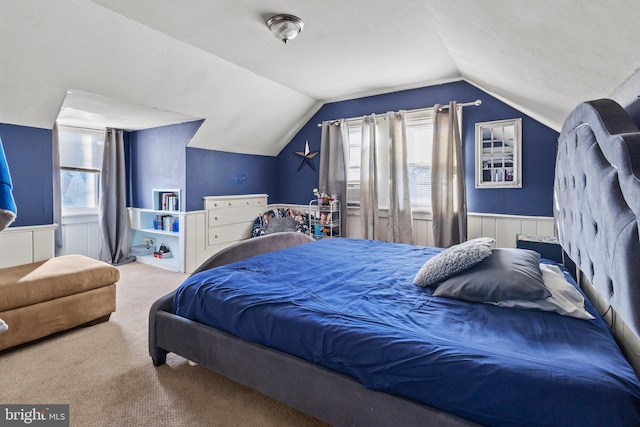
163	61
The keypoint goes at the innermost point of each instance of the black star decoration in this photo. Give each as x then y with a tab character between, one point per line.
307	156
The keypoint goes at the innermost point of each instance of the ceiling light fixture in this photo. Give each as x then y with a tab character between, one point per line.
285	27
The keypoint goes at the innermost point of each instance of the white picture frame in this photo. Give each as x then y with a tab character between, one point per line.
499	154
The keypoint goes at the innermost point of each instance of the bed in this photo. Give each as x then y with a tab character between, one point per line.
430	360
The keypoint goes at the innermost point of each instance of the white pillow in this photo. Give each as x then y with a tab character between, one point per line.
565	299
453	260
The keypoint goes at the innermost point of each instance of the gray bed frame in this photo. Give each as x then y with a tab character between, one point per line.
343	401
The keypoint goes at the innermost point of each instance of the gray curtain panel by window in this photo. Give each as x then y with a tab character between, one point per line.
112	214
57	190
400	223
334	155
448	196
369	215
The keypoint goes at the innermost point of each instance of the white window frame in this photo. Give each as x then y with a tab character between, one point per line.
91	166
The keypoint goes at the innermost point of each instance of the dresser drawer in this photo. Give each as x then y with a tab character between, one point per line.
229	233
234	202
217	217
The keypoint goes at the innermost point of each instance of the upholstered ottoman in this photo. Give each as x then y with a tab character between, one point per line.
46	297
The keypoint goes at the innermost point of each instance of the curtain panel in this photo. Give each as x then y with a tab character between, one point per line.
57	190
448	196
400	223
369	179
334	159
112	214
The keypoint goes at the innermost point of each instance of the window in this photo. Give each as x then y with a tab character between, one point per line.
80	162
353	177
419	142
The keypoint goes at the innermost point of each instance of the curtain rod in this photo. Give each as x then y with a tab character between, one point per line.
444	107
464	104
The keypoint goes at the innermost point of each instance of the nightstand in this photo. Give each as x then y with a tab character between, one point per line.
548	247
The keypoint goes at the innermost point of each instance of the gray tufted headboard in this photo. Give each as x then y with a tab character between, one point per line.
597	202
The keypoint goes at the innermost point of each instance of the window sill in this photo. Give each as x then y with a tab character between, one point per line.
78	216
79	212
423	214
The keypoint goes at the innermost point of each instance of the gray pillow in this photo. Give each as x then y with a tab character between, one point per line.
279	225
453	260
565	299
508	274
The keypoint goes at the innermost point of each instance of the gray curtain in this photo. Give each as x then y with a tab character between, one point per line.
112	207
448	198
334	155
369	216
400	223
57	190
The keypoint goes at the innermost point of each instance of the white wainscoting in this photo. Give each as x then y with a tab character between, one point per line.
503	228
196	250
81	234
24	245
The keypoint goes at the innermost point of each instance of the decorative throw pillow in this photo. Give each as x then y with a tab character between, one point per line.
453	260
281	224
507	274
565	299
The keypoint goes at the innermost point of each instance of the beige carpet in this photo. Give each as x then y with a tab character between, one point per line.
105	374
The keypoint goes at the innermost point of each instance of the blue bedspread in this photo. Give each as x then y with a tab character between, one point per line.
351	306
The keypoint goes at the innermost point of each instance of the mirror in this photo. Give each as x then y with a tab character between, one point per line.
498	154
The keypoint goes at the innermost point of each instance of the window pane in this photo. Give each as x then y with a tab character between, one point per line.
419	144
79	189
80	162
81	148
420	186
353	178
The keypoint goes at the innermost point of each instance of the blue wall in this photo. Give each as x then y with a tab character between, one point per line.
157	160
538	148
216	173
29	156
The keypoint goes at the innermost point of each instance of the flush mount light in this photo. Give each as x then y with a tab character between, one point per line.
285	27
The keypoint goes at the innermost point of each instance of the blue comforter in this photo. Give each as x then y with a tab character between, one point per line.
351	306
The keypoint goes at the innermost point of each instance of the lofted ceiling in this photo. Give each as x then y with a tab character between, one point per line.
142	63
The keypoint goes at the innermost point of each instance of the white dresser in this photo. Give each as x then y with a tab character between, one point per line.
230	219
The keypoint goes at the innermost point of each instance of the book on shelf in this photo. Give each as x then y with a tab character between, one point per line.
168	201
166	223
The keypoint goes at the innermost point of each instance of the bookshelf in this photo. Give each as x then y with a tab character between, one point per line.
163	224
166	200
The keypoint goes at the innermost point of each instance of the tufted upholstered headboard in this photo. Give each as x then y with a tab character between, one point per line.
597	202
